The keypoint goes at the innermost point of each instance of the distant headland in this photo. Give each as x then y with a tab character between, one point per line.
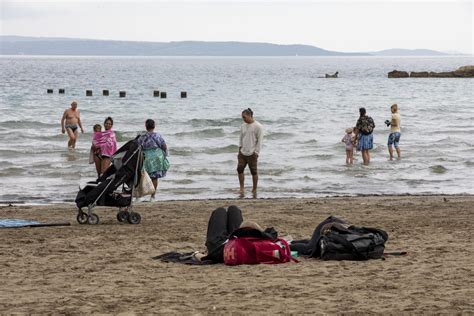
20	45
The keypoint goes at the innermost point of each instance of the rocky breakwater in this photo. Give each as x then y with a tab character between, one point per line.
461	72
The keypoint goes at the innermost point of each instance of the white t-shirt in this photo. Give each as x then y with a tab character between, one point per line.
251	136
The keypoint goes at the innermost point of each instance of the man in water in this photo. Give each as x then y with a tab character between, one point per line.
395	132
70	122
251	136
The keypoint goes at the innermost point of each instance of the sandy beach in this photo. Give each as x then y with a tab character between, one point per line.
107	268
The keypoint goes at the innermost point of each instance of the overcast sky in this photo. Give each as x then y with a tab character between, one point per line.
335	25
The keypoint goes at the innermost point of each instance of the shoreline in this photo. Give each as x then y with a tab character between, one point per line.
107	268
12	203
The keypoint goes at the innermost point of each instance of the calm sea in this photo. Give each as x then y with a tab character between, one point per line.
304	118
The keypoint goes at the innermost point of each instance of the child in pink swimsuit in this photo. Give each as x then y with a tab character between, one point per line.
348	141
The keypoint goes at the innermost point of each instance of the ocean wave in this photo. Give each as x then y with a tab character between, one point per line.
453	131
378	148
278	135
12	171
206	171
323	156
237	121
469	163
420	182
222	150
215	122
286	191
438	169
125	136
181	151
276	171
310	179
181	181
182	191
9	153
452	140
22	198
308	156
27	125
205	133
308	142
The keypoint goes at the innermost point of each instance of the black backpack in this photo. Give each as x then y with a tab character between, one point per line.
351	243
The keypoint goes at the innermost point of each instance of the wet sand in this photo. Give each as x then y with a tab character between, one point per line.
107	268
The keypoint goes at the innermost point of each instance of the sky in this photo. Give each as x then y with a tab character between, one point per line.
346	26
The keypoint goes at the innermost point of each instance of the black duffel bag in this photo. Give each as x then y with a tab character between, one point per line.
339	242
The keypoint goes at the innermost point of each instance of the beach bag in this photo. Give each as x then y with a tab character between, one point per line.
251	250
351	243
367	125
145	186
155	160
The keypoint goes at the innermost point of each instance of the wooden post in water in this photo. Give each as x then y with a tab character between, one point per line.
61	91
49	90
163	95
184	94
122	94
156	93
105	93
88	93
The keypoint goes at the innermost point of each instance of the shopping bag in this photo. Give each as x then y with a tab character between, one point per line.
145	187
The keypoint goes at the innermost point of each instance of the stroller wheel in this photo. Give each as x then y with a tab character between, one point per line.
93	219
81	217
122	216
134	218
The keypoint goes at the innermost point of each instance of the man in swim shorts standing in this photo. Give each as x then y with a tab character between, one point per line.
70	122
395	132
251	136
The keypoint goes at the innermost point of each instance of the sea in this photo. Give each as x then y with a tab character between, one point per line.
304	117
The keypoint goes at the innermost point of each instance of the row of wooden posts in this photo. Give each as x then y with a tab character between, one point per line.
122	94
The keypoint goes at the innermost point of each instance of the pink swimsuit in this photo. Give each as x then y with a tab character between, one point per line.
348	141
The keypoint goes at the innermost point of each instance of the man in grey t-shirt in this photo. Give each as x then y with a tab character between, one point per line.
251	136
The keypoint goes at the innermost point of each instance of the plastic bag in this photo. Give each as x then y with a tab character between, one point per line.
145	187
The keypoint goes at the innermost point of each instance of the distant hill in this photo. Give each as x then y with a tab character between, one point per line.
408	52
20	45
17	45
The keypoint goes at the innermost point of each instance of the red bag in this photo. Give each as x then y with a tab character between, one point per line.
251	250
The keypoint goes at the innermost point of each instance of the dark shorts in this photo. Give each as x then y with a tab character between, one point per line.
394	139
243	161
73	127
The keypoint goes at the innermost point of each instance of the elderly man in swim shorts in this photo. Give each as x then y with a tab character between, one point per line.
70	123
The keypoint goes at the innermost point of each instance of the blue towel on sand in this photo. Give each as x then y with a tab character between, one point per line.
9	223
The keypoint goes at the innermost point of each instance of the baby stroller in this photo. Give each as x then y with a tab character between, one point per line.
115	187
